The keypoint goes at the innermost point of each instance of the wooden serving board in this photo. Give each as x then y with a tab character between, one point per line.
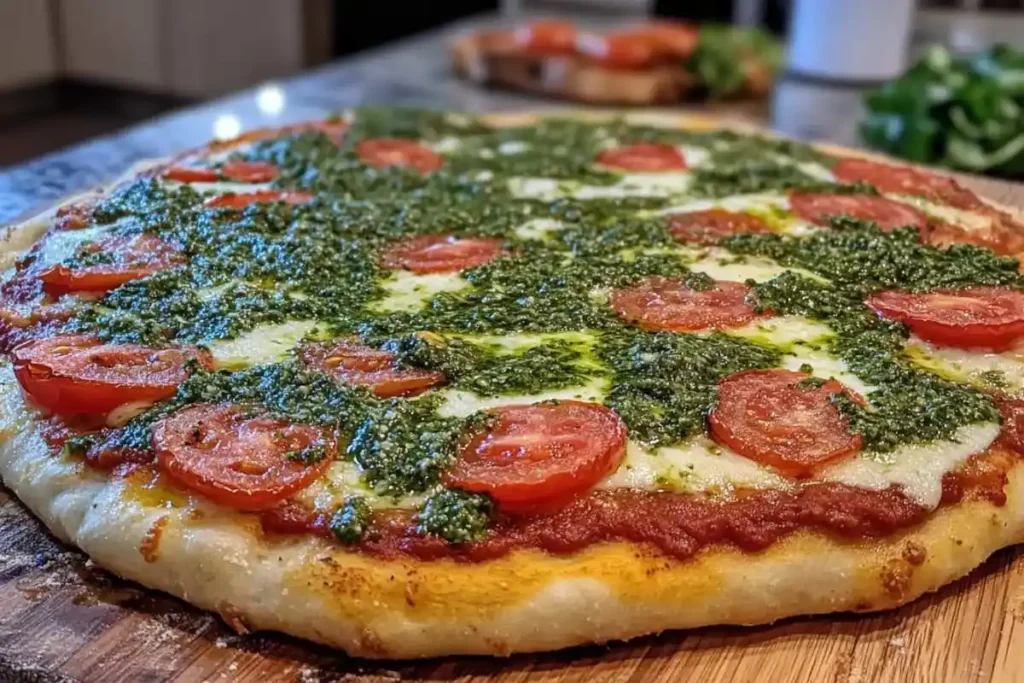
64	620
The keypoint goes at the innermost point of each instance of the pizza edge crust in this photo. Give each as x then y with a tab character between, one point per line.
527	601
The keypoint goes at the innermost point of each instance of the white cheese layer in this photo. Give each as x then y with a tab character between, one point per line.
629	185
538	228
263	344
458	403
62	244
966	219
701	466
698	466
405	291
918	469
977	367
223	187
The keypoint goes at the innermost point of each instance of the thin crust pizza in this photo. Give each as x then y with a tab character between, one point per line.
415	383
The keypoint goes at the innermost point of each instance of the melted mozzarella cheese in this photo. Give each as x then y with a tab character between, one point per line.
823	366
698	466
538	228
407	291
459	403
918	469
263	344
629	185
342	481
977	367
446	145
784	331
223	187
513	147
721	264
62	244
965	219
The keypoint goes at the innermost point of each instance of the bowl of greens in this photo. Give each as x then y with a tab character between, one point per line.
966	113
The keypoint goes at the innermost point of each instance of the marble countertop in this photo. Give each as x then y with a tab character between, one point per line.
414	71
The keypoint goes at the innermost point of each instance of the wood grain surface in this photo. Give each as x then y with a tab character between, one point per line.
63	619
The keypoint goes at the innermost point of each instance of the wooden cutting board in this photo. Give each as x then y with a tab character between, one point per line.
62	619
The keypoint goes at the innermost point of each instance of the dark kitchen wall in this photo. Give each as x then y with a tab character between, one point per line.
360	24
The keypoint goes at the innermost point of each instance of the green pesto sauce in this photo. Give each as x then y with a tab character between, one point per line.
273	263
456	516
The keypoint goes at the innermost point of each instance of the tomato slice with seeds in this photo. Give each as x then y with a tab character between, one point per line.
625	50
975	317
76	216
240	201
665	304
712	225
644	157
536	457
440	253
776	418
547	37
889	214
906	180
130	257
384	152
352	363
80	375
238	458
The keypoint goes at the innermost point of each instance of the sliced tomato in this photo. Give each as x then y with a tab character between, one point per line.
776	418
440	253
540	456
131	257
191	174
713	225
671	38
976	317
249	171
240	459
907	180
352	363
644	157
240	201
889	214
625	50
547	37
332	129
383	152
79	375
75	216
291	517
665	304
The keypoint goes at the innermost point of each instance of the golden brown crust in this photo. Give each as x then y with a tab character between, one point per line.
526	601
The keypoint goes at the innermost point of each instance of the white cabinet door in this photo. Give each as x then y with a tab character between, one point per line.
27	54
217	47
113	41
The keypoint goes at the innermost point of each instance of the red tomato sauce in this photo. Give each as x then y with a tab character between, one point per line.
674	524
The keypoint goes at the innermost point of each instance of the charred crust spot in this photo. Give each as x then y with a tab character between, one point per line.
150	545
914	553
896	576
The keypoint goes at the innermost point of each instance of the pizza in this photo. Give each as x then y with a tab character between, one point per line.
662	61
415	383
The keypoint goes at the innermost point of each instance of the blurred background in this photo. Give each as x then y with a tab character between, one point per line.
71	70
